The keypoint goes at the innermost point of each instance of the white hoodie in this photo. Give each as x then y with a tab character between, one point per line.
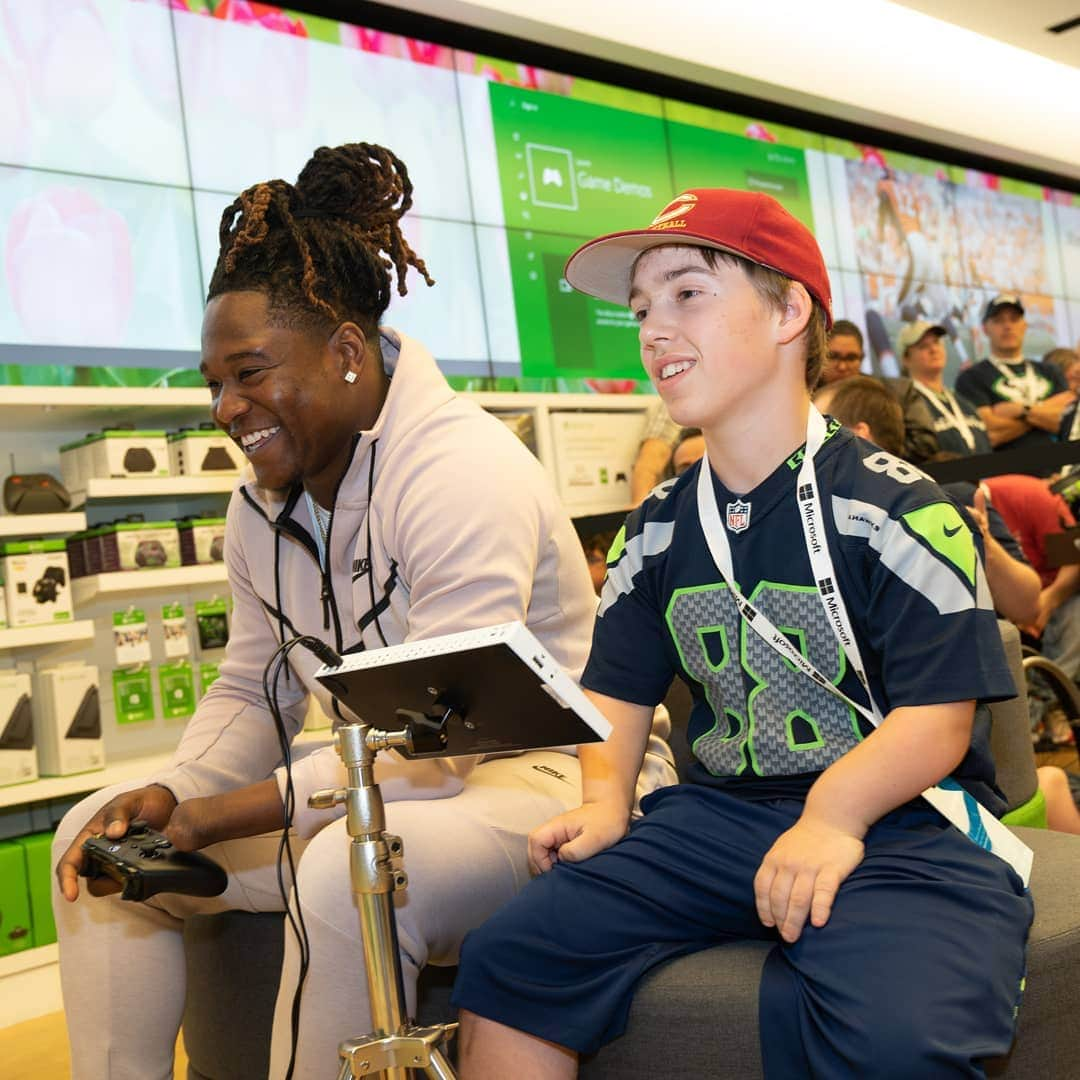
465	532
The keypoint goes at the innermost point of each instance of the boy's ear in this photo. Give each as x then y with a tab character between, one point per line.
796	313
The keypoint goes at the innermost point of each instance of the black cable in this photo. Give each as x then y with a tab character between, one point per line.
279	660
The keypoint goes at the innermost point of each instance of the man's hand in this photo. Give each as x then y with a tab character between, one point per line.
1048	604
576	835
801	873
152	804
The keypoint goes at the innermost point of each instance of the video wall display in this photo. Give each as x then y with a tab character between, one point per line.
132	124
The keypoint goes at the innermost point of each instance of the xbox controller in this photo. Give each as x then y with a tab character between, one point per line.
146	863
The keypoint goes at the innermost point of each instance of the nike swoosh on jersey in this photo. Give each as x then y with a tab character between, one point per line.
951	532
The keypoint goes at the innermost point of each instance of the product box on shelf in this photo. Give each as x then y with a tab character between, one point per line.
202	540
18	762
37	850
67	720
203	451
3	606
37	581
138	545
16	923
114	452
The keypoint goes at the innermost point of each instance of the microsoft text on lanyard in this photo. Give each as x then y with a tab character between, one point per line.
949	799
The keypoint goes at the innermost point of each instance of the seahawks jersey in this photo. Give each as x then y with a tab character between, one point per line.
1029	381
948	432
906	565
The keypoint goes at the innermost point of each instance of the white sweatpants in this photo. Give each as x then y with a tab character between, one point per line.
122	963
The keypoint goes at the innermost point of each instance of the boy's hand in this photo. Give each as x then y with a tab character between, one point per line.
576	835
801	874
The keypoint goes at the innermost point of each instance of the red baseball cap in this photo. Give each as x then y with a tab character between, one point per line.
746	223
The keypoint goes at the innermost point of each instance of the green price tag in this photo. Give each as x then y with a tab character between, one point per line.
176	682
133	696
208	673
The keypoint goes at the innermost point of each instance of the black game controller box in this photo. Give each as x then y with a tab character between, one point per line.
145	864
204	451
67	720
18	760
138	545
114	452
36	582
202	540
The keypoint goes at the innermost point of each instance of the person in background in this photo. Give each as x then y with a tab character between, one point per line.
654	455
867	408
1067	361
1032	511
690	448
348	527
800	823
1021	401
596	548
957	424
845	352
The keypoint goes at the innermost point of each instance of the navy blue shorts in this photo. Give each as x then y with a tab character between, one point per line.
921	960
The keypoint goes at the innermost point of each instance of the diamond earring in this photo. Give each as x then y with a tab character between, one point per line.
350	376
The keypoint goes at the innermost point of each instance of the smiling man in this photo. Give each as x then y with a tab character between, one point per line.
359	525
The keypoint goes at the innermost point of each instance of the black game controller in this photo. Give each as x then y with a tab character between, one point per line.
145	863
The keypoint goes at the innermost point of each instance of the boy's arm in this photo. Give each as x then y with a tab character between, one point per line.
609	773
912	749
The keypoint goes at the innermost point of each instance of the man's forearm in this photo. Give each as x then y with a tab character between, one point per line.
1046	415
1014	585
1003	422
912	749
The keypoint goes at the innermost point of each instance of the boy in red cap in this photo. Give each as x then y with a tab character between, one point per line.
826	605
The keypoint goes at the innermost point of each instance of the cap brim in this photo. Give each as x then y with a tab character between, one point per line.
602	267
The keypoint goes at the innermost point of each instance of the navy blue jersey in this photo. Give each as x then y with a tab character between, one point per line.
948	433
907	567
983	385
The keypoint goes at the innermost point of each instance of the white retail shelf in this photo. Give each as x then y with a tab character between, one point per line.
59	787
49	634
33	408
85	589
155	487
40	524
29	959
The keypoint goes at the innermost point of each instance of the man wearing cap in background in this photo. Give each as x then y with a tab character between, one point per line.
898	943
957	424
1021	401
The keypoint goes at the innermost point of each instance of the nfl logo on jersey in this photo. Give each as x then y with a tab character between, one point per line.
738	516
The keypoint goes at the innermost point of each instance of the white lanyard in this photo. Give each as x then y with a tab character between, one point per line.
949	404
1027	386
949	799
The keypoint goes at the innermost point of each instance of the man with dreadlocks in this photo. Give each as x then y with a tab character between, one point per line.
361	527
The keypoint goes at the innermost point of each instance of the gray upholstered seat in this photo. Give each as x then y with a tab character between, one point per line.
693	1017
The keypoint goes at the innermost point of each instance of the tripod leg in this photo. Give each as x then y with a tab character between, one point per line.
438	1067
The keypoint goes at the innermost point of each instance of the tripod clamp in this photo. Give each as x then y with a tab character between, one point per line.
395	1044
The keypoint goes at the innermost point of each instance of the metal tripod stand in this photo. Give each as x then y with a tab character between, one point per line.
395	1043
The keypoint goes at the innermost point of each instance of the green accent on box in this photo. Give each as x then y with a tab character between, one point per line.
16	922
176	683
37	850
133	696
30	547
120	433
172	611
130	617
197	433
135	526
194	523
